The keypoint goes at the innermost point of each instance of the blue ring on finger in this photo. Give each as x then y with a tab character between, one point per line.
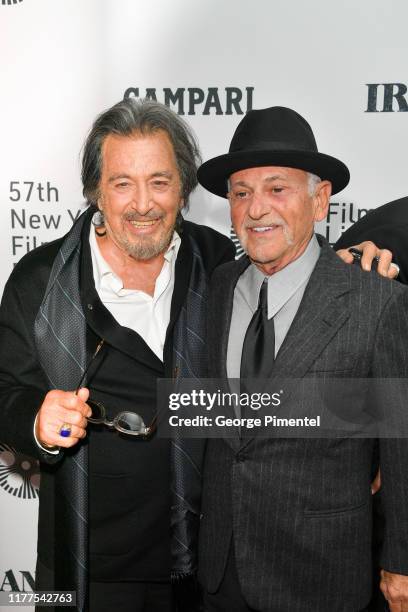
65	430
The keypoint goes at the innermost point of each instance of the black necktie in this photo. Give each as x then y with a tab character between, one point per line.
258	351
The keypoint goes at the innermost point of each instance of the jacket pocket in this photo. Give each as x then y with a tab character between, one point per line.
335	511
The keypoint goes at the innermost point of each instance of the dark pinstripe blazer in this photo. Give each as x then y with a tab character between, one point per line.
299	510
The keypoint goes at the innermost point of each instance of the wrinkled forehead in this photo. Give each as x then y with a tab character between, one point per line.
268	174
138	152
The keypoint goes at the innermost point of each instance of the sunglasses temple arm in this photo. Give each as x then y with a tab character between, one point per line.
153	426
98	348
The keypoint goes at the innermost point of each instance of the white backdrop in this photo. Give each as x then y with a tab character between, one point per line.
63	62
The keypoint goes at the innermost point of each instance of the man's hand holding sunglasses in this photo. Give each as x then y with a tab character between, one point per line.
62	418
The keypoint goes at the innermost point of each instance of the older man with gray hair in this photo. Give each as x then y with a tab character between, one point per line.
87	325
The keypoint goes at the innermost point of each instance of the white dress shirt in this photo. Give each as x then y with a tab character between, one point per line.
147	315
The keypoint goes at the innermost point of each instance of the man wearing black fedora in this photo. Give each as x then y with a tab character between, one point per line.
286	523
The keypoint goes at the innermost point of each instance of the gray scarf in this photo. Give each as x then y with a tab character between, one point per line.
60	335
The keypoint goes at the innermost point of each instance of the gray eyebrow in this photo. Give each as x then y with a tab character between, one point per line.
268	179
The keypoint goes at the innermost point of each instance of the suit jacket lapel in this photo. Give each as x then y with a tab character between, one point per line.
319	317
321	313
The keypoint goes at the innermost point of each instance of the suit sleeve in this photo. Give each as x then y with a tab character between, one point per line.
391	360
22	381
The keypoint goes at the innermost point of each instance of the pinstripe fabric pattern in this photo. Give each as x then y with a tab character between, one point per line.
63	360
300	510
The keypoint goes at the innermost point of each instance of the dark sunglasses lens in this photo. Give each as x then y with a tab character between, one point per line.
98	412
131	422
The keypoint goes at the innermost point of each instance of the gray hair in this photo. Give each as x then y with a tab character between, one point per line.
312	182
146	117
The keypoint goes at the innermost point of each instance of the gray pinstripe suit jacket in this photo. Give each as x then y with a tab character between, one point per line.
299	510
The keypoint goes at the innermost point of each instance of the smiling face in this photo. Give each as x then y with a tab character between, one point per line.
273	213
140	193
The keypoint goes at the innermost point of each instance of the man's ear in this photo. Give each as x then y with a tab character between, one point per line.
321	200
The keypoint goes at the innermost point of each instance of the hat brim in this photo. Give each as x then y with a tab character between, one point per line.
214	173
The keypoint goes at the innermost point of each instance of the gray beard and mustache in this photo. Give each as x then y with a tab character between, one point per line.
146	247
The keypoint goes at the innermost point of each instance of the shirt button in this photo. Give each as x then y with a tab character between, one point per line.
90	307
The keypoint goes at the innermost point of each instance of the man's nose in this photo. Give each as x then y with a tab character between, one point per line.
259	206
142	200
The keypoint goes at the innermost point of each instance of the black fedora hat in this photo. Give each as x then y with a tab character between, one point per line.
275	136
